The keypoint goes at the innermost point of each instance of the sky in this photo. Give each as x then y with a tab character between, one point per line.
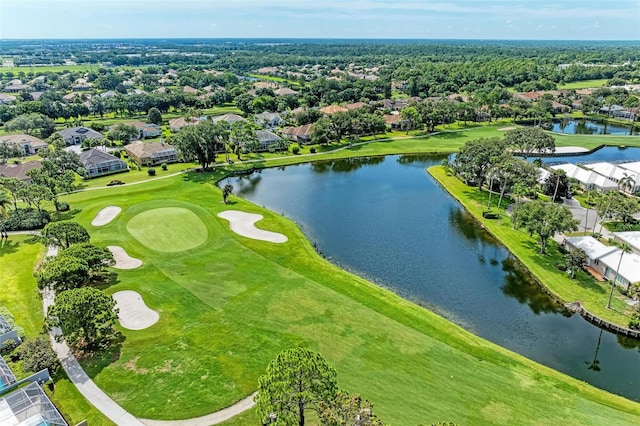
387	19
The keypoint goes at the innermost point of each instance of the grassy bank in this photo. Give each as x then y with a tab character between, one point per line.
229	305
591	293
20	295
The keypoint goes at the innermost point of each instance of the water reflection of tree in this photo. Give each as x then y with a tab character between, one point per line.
466	226
421	158
519	284
628	342
247	184
595	364
345	165
582	128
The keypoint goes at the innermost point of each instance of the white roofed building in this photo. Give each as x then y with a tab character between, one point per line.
615	172
630	237
588	179
629	268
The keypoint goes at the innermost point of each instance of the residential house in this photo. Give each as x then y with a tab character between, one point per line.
584	92
108	94
151	153
616	172
265	85
6	99
189	89
15	86
393	120
100	163
175	124
560	108
629	237
146	130
284	91
300	134
268	140
75	135
270	120
623	268
594	250
332	109
529	96
29	144
80	85
229	118
356	105
19	171
588	179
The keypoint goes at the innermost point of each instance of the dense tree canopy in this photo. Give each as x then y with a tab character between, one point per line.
87	317
543	219
64	233
202	142
475	159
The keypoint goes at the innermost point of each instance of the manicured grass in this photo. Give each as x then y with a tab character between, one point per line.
48	68
275	79
591	293
21	250
19	294
168	229
229	306
585	84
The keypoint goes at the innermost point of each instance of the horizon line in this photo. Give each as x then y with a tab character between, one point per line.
319	38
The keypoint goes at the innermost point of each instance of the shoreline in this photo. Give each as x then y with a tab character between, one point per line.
574	306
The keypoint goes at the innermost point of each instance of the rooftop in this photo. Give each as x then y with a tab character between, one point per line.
19	171
630	237
592	247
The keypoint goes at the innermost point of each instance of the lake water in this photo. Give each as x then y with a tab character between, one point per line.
608	154
387	220
587	127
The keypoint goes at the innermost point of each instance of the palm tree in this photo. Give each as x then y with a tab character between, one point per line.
4	202
626	183
624	248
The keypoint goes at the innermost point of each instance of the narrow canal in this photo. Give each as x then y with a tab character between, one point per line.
387	220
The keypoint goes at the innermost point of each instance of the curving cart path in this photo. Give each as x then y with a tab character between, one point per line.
102	401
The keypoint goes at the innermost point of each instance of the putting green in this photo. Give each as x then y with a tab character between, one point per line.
168	229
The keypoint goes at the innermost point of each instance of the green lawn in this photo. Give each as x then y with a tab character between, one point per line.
591	293
227	307
585	84
19	294
168	229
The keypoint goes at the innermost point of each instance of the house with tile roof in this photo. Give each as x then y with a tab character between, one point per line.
99	163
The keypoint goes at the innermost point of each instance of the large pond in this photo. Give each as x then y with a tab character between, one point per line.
387	220
588	127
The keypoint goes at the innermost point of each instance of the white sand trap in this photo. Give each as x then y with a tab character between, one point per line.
244	224
106	215
506	129
123	260
133	313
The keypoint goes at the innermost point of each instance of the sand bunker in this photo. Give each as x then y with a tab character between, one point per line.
506	129
123	260
106	215
133	313
244	224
